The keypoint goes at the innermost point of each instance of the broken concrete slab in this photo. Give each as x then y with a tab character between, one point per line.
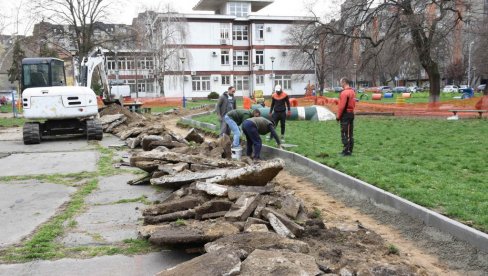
131	132
265	262
236	191
24	205
213	215
256	228
194	136
257	240
212	189
174	157
173	169
133	143
213	206
192	232
49	163
210	264
185	214
96	227
109	128
107	119
174	205
293	227
278	226
243	207
255	175
290	205
176	181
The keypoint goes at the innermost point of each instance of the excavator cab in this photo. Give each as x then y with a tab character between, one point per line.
42	72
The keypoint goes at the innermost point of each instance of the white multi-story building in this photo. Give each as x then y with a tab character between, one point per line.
230	47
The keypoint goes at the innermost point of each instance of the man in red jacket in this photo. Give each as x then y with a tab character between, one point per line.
345	115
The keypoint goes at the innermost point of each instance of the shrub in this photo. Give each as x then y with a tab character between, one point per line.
213	95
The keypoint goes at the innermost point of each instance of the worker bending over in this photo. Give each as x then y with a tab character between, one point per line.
253	128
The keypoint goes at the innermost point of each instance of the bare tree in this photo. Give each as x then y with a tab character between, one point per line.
81	16
422	25
166	32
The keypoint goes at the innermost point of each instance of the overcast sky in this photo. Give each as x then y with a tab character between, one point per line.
125	10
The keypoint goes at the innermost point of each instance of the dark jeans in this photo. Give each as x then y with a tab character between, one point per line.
252	139
347	131
281	117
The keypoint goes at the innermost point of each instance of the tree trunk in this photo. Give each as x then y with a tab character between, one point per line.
434	81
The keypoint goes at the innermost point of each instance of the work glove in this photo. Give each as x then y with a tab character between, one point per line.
288	114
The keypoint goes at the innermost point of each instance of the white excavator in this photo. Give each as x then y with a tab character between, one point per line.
53	108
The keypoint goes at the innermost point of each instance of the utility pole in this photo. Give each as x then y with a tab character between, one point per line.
272	74
469	63
183	79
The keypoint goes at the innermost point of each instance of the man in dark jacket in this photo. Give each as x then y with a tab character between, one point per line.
280	102
234	119
253	128
345	115
226	103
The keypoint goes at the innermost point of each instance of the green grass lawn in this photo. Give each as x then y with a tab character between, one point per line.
436	163
420	97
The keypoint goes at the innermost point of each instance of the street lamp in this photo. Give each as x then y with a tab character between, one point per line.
315	48
252	79
183	79
355	75
272	73
469	63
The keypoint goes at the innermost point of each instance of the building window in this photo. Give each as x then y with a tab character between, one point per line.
225	80
259	57
224	31
110	64
260	31
239	32
239	9
146	63
200	83
241	58
224	57
241	83
145	86
283	80
260	79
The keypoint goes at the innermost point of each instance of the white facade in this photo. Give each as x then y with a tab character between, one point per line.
234	48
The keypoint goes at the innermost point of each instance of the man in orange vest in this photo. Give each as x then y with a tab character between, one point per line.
278	111
345	115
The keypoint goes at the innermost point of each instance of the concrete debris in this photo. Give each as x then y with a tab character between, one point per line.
194	136
172	181
278	226
243	207
192	233
234	192
186	214
265	262
110	118
291	206
212	189
173	169
256	228
210	264
255	175
175	205
133	143
257	240
212	207
292	227
172	157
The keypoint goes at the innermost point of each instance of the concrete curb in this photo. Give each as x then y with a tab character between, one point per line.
189	120
465	233
444	224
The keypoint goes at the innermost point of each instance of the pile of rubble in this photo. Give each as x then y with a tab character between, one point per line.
236	214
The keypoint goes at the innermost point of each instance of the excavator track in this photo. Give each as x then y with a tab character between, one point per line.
94	130
31	133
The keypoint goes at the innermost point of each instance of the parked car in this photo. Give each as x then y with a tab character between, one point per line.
467	90
384	89
481	87
337	89
450	89
400	89
414	89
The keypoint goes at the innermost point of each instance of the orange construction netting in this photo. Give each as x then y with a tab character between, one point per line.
399	108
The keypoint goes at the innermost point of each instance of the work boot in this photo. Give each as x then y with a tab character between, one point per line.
282	138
